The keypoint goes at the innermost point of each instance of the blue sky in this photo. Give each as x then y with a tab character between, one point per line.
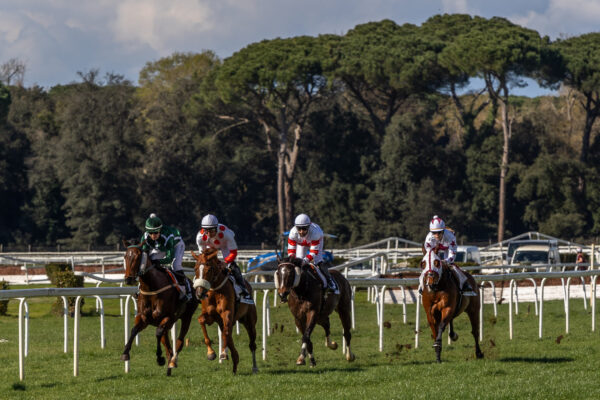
58	38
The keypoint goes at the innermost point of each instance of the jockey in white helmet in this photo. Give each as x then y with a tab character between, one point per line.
214	235
305	241
440	238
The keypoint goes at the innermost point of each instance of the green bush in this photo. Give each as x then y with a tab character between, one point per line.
66	279
3	303
52	269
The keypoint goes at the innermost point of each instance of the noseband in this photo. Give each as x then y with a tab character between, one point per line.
284	269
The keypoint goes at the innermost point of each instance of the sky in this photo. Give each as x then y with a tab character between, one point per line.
56	39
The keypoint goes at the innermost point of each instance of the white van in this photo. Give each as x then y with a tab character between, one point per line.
543	253
468	254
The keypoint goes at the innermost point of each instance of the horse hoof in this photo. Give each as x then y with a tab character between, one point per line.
350	357
160	361
313	363
332	345
172	364
168	371
223	357
211	356
454	337
124	357
479	355
300	362
254	370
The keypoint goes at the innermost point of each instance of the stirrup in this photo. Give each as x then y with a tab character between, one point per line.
467	290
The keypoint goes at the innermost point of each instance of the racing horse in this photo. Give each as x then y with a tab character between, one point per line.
217	294
158	304
303	292
443	302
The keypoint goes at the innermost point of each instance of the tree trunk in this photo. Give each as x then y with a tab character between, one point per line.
506	132
590	117
281	172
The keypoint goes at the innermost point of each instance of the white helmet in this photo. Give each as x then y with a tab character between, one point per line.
209	221
436	224
302	220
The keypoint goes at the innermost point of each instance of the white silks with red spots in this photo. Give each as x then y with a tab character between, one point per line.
224	240
308	247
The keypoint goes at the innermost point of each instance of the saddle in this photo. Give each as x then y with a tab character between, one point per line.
238	290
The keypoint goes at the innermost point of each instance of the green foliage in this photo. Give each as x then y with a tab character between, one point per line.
4	303
66	279
53	269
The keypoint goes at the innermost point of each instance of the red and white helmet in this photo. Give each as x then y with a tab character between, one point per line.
437	224
302	220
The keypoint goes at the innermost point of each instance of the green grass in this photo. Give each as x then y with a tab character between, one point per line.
526	367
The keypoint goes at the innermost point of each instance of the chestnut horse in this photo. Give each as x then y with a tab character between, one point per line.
443	302
158	304
217	294
304	294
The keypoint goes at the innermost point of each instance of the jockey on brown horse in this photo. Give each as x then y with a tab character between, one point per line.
213	235
305	242
441	238
165	247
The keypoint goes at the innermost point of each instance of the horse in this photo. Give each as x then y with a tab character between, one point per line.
304	294
443	302
158	304
217	294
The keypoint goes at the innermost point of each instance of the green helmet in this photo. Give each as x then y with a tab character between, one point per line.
153	224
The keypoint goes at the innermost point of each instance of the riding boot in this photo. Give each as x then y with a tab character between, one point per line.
239	279
331	286
182	280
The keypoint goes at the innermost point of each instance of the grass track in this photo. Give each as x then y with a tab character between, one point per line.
525	367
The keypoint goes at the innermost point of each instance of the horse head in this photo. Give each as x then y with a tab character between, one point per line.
136	261
433	266
287	276
208	270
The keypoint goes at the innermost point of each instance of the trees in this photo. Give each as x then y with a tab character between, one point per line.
501	54
277	81
582	61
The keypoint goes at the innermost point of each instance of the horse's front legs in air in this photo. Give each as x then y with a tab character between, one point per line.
138	326
203	319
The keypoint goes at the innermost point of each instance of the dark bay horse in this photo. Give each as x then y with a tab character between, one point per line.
215	290
158	304
304	294
443	302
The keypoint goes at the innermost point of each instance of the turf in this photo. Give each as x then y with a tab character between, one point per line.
557	366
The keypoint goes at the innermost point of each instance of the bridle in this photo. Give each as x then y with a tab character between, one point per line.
431	270
200	281
285	267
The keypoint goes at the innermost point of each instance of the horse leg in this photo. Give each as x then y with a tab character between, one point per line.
301	325
139	325
210	353
445	320
346	318
329	343
474	318
311	321
162	333
249	322
453	335
186	320
227	335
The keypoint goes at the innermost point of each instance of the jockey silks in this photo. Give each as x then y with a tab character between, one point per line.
309	246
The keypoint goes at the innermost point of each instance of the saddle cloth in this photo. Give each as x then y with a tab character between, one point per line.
237	289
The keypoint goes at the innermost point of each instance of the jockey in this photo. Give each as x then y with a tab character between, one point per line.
166	248
440	238
218	236
305	241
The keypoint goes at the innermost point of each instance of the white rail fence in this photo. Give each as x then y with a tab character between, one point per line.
377	288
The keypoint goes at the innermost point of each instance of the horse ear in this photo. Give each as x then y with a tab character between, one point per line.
125	242
196	256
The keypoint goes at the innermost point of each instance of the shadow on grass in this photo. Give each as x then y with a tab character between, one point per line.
108	378
18	386
48	385
312	371
541	360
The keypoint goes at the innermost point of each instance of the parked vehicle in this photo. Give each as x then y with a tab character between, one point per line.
543	252
468	254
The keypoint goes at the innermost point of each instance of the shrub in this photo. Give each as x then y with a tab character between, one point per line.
66	279
3	303
52	269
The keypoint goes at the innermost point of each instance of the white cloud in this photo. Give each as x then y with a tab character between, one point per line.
455	6
159	24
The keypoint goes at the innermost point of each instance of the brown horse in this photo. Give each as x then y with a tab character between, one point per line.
443	302
304	294
215	290
158	304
